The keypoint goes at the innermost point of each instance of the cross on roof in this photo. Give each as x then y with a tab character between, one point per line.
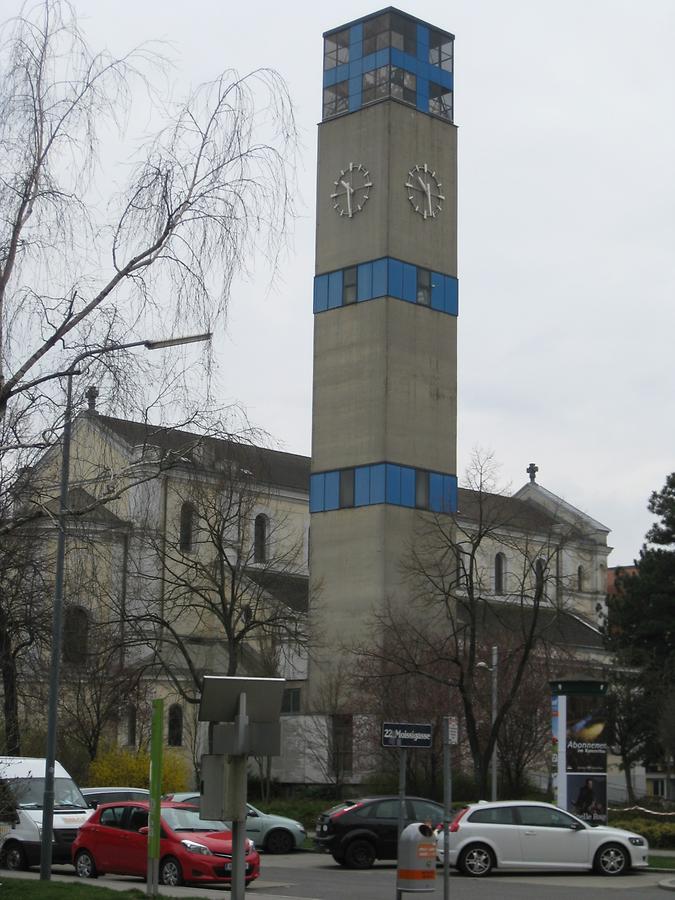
532	470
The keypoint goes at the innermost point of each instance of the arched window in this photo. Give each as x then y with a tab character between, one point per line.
500	572
175	725
260	539
539	573
75	635
187	526
581	579
131	725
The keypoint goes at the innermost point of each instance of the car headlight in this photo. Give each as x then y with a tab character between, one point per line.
194	847
637	841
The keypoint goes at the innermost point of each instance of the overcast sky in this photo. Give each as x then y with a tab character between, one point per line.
566	116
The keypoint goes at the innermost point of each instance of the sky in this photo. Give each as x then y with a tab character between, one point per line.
566	117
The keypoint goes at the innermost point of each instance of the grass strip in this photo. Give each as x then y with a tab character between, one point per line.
33	889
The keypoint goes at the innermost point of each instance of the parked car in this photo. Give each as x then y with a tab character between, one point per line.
274	834
529	835
96	795
357	832
115	839
21	829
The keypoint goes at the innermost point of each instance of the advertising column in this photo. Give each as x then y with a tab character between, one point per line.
580	748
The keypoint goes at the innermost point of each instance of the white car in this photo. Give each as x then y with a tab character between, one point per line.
527	835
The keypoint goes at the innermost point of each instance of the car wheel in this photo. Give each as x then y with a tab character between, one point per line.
612	859
476	860
14	857
170	872
85	865
360	855
279	841
339	858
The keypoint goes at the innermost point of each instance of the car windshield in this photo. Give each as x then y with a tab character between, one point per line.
185	819
29	793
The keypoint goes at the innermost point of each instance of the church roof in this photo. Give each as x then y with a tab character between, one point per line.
285	470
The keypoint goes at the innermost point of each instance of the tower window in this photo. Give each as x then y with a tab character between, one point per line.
421	489
581	580
375	84
440	50
349	286
403	85
260	530
336	99
440	101
187	526
175	736
424	287
336	49
389	30
346	488
500	571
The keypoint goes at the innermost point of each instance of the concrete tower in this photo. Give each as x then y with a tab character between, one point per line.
385	304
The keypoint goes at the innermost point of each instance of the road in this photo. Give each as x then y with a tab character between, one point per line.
313	876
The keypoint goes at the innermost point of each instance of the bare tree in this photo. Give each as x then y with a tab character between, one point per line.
231	576
455	612
24	621
207	194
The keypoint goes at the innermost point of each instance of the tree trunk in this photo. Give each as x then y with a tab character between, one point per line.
10	698
628	774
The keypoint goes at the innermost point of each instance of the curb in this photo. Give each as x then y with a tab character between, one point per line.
668	884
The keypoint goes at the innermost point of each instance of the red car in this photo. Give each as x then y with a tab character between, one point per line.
115	839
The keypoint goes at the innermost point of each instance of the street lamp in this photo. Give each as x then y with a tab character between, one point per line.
57	617
493	670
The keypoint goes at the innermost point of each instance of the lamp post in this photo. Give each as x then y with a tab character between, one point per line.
493	716
57	612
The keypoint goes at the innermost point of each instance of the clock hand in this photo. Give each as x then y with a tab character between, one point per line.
350	191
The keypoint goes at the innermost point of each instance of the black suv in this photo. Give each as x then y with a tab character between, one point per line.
357	832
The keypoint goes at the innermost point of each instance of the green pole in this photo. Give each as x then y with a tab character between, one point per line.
156	744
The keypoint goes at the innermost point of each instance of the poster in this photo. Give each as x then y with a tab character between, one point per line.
587	797
586	738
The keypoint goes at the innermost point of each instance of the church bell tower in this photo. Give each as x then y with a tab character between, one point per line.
385	316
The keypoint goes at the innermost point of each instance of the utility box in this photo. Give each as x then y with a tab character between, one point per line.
223	788
416	859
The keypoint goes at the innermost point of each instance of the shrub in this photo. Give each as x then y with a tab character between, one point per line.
661	835
132	769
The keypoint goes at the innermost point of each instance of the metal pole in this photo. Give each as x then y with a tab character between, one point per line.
401	802
154	817
238	770
447	803
57	626
494	718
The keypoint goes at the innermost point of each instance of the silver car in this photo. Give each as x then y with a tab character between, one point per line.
528	835
274	834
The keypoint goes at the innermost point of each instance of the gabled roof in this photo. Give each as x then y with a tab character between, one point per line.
534	493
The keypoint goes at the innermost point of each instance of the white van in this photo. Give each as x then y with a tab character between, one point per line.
21	817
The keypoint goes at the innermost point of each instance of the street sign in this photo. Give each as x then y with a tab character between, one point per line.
452	730
407	736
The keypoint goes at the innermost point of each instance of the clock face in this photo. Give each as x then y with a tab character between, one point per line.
425	191
351	190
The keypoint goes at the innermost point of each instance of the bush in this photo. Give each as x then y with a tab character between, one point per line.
661	835
122	768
